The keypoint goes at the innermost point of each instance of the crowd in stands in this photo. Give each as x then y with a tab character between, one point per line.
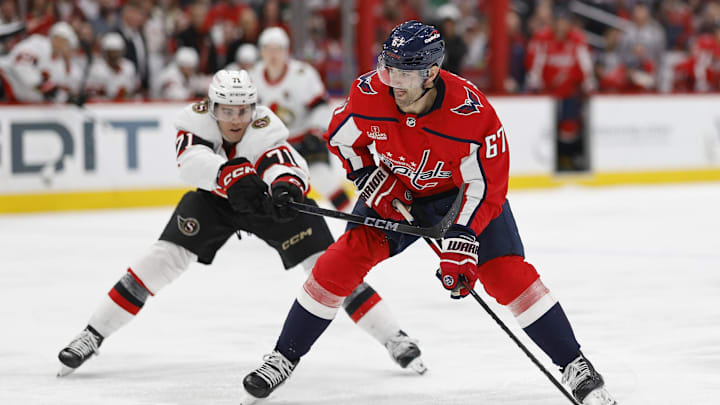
75	50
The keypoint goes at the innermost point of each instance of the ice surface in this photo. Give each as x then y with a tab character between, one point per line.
637	270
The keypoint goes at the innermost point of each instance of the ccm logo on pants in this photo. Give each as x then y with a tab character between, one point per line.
296	238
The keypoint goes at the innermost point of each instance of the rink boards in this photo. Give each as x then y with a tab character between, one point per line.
123	154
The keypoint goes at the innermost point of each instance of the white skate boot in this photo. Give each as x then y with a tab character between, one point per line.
78	351
586	384
406	352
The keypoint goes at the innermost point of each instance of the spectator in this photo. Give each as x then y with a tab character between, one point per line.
130	27
325	54
197	36
40	68
641	70
515	80
677	21
106	17
706	61
112	76
180	79
41	15
609	67
645	32
245	58
455	47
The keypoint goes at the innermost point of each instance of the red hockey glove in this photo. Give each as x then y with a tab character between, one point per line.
378	188
285	189
458	257
246	191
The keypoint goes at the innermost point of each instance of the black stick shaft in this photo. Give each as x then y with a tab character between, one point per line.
497	320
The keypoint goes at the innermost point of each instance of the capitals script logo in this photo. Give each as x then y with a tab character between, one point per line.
471	105
364	83
416	175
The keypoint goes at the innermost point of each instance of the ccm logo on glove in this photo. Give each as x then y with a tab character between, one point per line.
236	173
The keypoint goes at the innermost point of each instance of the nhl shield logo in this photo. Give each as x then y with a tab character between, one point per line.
410	122
188	226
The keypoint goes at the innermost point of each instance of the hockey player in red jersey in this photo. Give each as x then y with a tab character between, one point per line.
237	155
432	132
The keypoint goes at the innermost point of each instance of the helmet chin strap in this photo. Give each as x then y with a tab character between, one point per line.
425	91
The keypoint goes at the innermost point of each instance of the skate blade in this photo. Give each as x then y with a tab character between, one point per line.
417	366
65	370
599	396
249	399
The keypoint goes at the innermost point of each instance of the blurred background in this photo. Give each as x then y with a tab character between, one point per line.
594	92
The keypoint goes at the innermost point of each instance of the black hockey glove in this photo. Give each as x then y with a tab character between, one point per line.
285	189
246	191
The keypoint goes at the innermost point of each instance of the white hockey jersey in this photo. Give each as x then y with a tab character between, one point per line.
200	149
298	97
30	63
104	82
171	84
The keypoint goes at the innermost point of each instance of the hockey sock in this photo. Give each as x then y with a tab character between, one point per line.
120	305
367	309
300	331
554	335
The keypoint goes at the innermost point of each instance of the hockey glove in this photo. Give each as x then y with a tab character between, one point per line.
246	191
378	188
285	189
458	257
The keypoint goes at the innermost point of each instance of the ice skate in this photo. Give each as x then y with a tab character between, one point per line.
78	351
405	351
262	381
586	384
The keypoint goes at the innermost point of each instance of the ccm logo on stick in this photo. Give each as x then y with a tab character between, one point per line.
381	223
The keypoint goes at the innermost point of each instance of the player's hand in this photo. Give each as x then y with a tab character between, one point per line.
458	257
378	188
246	191
285	189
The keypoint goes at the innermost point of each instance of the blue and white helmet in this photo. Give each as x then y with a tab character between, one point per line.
408	54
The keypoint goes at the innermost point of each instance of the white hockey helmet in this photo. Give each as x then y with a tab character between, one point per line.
112	41
187	57
274	36
64	30
246	53
232	87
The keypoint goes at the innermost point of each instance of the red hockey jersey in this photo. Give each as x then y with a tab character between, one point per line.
460	140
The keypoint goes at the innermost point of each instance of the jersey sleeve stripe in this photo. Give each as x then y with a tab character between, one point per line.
345	135
473	174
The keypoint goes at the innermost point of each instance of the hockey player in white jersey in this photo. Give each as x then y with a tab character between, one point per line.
112	76
40	68
180	79
245	171
295	92
246	57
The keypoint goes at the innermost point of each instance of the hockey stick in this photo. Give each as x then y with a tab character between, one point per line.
435	232
409	218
